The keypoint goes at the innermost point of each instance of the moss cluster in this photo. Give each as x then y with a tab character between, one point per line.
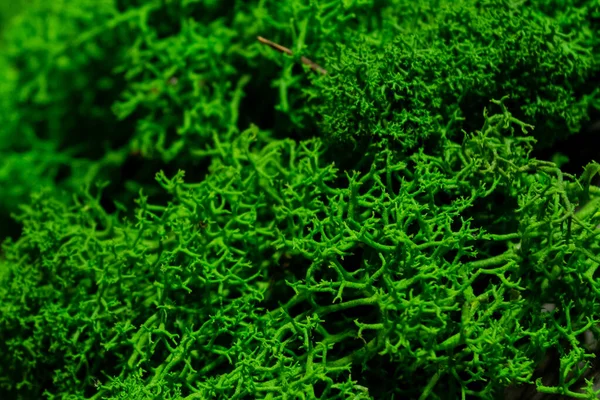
436	67
196	215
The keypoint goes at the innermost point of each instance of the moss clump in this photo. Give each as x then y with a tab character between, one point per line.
435	66
198	216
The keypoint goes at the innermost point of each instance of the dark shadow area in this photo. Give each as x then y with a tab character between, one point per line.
388	378
581	149
9	228
495	213
261	100
291	268
138	173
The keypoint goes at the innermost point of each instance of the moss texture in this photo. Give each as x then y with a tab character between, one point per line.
187	213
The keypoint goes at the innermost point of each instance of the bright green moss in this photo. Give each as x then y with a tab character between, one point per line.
152	79
183	290
437	65
239	252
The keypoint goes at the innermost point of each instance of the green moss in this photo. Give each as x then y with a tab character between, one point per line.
199	216
435	67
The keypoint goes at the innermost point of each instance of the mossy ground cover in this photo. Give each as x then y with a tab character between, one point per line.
378	211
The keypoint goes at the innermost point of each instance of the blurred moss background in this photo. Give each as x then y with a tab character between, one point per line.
8	10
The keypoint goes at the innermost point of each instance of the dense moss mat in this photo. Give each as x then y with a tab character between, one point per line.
194	214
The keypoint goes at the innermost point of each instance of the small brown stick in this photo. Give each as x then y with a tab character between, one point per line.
313	65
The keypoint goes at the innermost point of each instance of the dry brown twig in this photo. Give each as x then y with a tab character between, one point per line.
311	64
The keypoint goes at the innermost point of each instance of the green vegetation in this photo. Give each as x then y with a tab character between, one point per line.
186	213
441	64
